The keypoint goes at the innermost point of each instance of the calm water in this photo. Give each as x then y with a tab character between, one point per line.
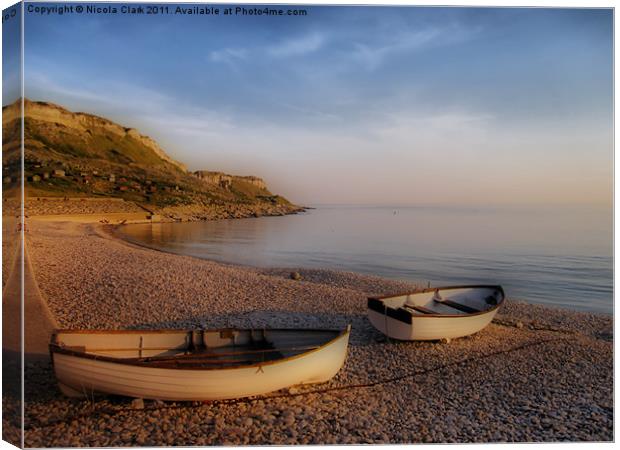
560	257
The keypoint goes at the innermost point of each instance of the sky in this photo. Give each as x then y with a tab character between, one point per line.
369	105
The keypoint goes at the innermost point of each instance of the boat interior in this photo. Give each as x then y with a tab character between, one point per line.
191	349
446	301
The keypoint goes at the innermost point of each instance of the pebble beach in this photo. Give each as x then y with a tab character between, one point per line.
535	374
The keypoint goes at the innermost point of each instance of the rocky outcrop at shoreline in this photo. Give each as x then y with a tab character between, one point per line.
51	206
228	211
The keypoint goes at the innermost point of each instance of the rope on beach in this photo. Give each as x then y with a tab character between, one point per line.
533	325
415	373
391	379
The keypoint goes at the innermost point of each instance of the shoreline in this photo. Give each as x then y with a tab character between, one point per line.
59	207
115	233
535	374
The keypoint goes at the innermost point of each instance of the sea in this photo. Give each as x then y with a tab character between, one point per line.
555	256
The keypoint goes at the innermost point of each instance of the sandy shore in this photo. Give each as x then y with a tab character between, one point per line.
535	374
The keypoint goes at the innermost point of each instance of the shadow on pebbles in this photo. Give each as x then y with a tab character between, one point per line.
535	374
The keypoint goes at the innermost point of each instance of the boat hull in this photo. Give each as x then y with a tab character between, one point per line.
81	377
430	328
417	316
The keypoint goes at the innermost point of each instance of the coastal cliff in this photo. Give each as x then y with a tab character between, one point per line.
226	181
78	155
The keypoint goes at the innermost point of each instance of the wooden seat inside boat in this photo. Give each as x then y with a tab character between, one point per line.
421	309
255	352
459	306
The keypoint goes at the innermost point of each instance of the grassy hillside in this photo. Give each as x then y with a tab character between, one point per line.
77	154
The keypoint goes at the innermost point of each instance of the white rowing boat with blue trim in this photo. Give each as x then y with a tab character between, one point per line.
436	313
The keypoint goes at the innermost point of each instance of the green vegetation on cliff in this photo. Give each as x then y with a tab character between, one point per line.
75	154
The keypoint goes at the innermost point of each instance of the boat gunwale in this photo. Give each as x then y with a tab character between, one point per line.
55	348
444	288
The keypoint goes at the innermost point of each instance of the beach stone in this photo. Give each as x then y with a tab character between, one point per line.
289	418
137	403
248	422
295	276
496	385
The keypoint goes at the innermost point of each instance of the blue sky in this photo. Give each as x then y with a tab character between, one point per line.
354	105
11	62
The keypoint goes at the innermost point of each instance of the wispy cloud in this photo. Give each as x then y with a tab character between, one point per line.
427	133
298	46
191	123
147	108
372	55
228	55
311	113
110	93
292	47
